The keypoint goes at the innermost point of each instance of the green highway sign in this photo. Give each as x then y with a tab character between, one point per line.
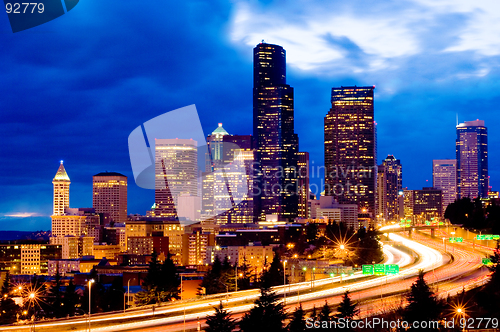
456	240
486	261
391	269
367	269
440	223
480	237
496	237
488	237
379	269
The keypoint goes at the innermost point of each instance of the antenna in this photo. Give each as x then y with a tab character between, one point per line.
457	119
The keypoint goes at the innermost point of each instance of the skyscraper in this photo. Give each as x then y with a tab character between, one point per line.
175	174
276	143
110	195
389	183
350	164
472	159
228	182
61	184
303	175
444	177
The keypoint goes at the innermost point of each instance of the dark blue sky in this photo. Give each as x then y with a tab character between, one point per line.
74	88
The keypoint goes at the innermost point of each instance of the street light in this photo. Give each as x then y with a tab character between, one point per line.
32	298
128	294
91	281
284	282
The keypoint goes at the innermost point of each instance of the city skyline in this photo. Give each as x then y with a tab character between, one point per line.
411	122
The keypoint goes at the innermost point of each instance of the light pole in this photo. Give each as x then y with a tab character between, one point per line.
32	298
91	281
284	282
444	243
128	294
236	278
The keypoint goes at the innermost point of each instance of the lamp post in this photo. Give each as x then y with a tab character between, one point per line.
128	294
236	278
32	298
284	282
444	243
91	281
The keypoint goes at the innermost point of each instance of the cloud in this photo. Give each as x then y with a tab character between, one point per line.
21	214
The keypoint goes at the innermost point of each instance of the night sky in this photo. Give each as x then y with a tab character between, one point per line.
74	88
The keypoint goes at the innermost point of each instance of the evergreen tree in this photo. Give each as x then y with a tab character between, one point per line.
267	315
212	280
347	309
274	275
220	321
244	275
314	313
324	314
114	295
54	298
151	293
298	322
70	300
8	308
489	296
423	305
170	281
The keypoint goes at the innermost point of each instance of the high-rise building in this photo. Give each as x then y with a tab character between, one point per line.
175	174
110	195
444	177
350	164
303	177
423	205
472	159
389	183
228	181
61	184
276	143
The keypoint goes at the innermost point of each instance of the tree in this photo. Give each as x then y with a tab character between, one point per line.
423	304
161	283
274	275
220	321
170	281
70	299
368	248
114	295
8	308
297	323
244	275
211	280
54	298
489	296
347	309
324	314
267	315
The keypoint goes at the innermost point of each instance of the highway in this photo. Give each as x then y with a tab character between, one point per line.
368	290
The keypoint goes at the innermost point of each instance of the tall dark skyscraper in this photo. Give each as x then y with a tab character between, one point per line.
276	143
472	159
389	183
350	147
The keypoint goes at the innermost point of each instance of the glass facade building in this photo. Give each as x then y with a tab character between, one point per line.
350	148
275	141
472	159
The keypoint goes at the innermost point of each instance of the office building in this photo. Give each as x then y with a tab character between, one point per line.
275	141
444	177
389	183
303	178
27	258
350	164
198	243
61	184
472	159
423	205
175	174
110	195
